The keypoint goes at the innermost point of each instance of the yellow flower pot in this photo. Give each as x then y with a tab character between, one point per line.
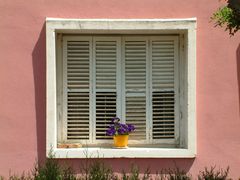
120	141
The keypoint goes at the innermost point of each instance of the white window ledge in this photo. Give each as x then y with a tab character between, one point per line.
123	153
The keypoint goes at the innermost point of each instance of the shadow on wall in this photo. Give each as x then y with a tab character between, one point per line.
118	164
238	71
39	71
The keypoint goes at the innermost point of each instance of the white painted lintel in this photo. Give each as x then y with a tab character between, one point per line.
121	24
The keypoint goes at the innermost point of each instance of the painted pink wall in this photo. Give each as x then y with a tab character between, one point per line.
23	69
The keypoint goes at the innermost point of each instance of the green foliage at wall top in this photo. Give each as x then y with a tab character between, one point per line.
228	16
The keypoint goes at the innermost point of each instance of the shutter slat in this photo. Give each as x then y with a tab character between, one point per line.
76	59
76	122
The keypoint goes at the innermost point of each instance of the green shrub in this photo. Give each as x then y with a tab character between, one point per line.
98	171
173	174
51	170
135	174
23	176
213	174
68	174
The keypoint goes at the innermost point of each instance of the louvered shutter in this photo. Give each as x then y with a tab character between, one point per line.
135	52
134	78
106	56
76	82
164	85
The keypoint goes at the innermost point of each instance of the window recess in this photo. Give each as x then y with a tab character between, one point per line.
132	77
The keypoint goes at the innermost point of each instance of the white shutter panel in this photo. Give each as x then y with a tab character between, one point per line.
76	80
106	55
163	87
135	85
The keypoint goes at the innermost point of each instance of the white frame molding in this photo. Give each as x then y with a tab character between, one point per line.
185	28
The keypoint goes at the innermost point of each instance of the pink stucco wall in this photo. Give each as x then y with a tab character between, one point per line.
23	79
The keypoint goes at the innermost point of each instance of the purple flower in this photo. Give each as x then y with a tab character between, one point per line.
130	127
111	131
119	128
124	126
115	120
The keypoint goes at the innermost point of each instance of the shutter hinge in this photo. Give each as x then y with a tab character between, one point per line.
180	114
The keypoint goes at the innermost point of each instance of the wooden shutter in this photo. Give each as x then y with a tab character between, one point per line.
76	87
135	51
106	55
141	87
164	74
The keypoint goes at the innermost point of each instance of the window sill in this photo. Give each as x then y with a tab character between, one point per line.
123	153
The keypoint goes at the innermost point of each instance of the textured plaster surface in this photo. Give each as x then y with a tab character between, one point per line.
23	79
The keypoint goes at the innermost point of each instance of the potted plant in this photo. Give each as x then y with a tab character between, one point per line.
120	132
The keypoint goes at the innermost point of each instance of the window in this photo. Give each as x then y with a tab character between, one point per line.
142	72
132	77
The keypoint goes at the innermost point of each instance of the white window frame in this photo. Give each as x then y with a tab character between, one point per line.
185	28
